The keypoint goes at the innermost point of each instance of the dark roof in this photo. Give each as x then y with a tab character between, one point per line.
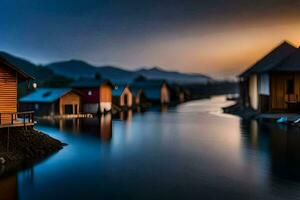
90	83
21	74
271	60
135	91
291	63
153	83
151	88
118	90
45	95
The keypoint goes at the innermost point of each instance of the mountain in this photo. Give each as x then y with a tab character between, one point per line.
77	69
43	75
172	76
60	73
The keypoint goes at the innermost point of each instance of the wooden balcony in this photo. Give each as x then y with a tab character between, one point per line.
16	119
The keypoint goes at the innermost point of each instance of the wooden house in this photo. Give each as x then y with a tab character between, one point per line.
96	95
139	97
273	83
155	91
179	94
52	102
122	96
10	76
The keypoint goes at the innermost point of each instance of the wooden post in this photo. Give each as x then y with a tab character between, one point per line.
12	119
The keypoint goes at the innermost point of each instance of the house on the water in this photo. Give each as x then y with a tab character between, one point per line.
122	96
139	97
179	94
52	102
156	91
96	95
10	76
273	83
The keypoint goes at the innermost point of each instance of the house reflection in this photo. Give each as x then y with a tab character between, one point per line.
125	116
9	188
106	127
99	126
164	108
281	144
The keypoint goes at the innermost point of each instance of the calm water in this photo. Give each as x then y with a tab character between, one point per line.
189	152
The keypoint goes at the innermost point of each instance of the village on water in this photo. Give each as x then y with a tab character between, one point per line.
87	97
269	90
271	87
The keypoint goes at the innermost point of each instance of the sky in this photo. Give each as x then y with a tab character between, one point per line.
214	37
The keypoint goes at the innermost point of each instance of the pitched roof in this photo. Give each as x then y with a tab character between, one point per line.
291	63
152	93
271	60
45	95
151	88
118	90
135	91
90	83
153	83
21	74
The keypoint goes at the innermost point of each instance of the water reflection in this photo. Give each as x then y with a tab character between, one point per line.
99	127
125	116
9	188
183	153
282	145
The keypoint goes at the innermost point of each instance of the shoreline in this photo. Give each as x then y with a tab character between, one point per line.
21	148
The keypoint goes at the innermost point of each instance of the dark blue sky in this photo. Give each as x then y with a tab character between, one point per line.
217	37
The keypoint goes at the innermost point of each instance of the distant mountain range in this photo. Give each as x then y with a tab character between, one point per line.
76	69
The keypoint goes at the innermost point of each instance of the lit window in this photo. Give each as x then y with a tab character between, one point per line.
90	93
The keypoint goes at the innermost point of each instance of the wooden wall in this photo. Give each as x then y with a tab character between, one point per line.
70	98
105	93
126	93
253	91
165	94
8	93
279	87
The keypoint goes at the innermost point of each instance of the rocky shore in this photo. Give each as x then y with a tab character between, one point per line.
20	148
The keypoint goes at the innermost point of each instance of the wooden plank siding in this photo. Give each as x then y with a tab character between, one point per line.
164	94
70	98
105	93
8	93
278	82
105	99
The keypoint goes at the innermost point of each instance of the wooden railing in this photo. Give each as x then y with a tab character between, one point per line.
16	118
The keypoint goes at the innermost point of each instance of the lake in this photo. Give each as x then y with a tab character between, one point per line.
192	151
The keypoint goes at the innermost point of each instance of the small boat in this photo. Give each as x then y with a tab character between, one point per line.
282	120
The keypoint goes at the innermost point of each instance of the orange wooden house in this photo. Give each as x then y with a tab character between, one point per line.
52	102
10	76
272	84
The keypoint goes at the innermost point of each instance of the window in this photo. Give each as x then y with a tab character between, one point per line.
290	86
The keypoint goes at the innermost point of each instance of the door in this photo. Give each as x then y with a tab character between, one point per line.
68	109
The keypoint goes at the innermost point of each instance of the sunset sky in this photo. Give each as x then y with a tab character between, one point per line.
215	37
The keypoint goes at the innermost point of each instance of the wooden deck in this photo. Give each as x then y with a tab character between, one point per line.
17	119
